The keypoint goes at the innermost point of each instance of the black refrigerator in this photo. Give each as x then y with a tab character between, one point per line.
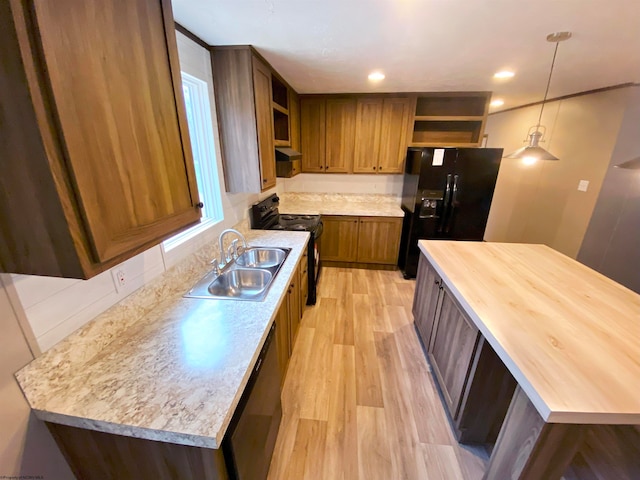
446	195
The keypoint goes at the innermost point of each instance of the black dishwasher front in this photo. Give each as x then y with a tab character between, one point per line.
249	442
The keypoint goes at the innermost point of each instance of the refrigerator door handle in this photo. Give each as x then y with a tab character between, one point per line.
445	204
453	202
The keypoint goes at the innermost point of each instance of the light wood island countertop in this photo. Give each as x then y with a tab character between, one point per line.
569	335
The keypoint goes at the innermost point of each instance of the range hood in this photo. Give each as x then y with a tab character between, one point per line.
285	154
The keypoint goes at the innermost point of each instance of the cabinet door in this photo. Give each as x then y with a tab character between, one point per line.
425	300
304	282
264	123
368	122
114	80
294	307
339	241
312	134
394	136
452	349
283	339
294	120
340	135
379	240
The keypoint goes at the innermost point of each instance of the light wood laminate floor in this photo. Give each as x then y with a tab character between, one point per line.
358	400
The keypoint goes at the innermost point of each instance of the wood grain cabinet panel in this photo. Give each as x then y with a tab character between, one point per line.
340	238
97	161
340	135
264	121
451	352
312	134
283	339
245	118
397	120
368	124
379	239
426	300
366	240
293	302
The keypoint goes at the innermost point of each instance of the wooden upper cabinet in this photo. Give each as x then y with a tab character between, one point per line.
312	134
379	240
97	161
294	120
368	123
340	135
397	119
264	122
245	118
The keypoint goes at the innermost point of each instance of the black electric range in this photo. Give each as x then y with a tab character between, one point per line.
264	215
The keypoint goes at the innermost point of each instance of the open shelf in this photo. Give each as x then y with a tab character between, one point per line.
280	126
452	105
453	119
280	94
447	132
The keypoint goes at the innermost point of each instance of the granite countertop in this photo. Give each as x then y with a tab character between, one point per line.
373	205
159	366
569	335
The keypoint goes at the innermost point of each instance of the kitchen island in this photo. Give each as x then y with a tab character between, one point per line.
160	375
565	337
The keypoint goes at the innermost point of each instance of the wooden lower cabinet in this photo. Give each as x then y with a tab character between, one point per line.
426	300
451	350
339	238
289	316
379	239
283	338
97	455
365	240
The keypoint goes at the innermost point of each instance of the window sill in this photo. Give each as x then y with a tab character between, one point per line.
190	233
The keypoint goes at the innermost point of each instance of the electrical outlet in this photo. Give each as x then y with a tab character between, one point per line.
583	185
119	279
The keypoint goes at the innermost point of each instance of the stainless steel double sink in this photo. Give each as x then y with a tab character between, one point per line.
247	277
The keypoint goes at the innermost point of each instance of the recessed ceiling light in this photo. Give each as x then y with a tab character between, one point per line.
497	102
503	74
376	76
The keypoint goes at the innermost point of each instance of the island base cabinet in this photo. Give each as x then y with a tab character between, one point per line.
530	449
426	300
97	455
452	350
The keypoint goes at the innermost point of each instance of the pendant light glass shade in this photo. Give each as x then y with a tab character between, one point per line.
533	151
633	164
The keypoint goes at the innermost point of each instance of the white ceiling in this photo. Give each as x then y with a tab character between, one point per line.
331	46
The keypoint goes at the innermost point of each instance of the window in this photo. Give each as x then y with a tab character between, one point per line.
196	99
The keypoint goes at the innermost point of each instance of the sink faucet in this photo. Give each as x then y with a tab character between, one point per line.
229	255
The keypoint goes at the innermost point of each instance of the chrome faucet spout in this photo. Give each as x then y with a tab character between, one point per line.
224	254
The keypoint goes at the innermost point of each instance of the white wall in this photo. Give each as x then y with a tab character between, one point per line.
26	446
56	307
344	183
541	203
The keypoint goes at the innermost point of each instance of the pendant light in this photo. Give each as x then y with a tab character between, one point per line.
533	151
633	164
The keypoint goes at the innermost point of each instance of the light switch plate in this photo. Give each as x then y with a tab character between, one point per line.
583	185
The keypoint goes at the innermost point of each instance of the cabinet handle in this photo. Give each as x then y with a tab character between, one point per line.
327	167
264	180
440	287
437	282
374	168
321	167
199	205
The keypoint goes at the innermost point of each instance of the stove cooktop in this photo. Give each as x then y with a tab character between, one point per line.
265	215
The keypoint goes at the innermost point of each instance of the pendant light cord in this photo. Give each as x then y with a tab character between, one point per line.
553	62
